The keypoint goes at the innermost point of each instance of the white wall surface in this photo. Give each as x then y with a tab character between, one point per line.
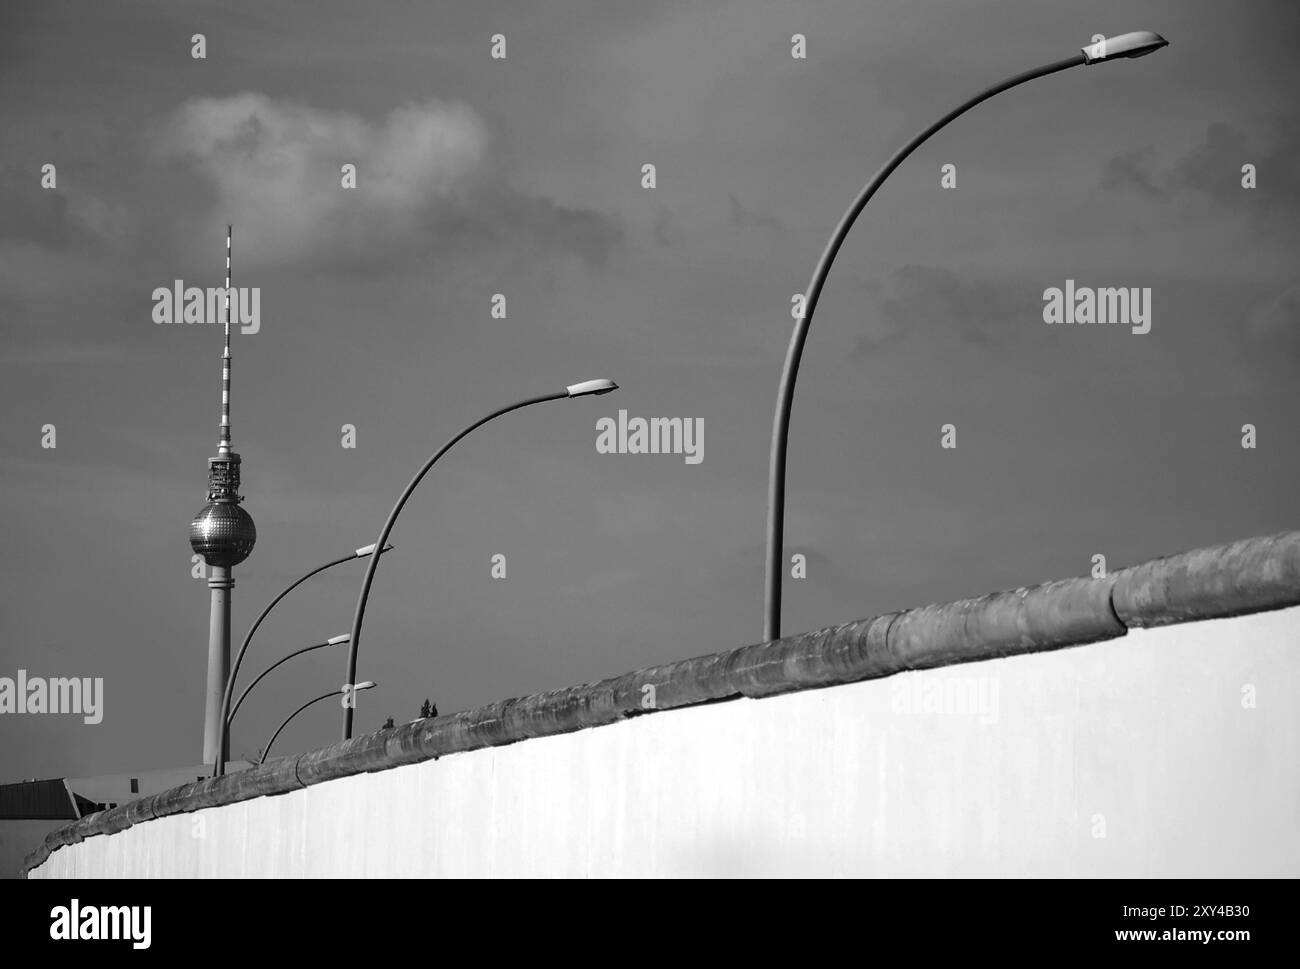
1141	756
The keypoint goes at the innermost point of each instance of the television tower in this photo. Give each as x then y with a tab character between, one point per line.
223	533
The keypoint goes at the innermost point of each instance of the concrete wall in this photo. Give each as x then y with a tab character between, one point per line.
1172	751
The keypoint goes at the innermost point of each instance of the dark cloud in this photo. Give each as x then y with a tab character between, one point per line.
36	215
664	230
1134	170
1214	167
1213	170
52	217
1273	325
742	218
937	302
510	217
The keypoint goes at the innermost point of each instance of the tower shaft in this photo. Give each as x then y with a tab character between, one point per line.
220	582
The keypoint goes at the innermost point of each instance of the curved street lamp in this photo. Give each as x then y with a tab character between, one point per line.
219	765
587	388
1135	44
334	641
367	685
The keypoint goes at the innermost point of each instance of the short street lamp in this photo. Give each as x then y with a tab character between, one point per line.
367	685
587	388
334	641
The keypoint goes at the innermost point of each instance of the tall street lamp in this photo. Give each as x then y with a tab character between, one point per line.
223	751
588	388
1135	44
367	685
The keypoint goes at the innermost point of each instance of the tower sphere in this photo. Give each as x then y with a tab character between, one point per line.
223	533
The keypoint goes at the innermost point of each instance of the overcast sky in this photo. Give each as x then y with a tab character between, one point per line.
523	176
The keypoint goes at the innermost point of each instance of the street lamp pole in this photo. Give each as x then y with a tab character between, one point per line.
1129	45
587	388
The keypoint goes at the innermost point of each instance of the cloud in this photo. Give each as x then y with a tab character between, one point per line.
1273	325
38	215
1134	170
1214	167
53	218
1213	170
497	216
743	218
937	301
665	224
423	174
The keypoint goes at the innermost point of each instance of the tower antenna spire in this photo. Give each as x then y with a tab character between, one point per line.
223	440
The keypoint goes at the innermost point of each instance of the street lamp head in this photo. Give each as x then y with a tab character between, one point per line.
364	685
335	640
592	388
1139	43
365	550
